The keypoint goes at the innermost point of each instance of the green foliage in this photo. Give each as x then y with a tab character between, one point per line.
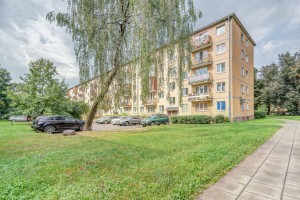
113	38
5	79
166	162
259	114
277	87
192	119
220	119
41	93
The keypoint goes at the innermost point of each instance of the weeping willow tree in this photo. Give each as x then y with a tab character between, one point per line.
114	39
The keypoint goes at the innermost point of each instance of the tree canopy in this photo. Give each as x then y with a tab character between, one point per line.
115	37
277	86
5	79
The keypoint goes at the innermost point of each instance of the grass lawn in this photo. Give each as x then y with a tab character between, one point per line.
166	162
284	117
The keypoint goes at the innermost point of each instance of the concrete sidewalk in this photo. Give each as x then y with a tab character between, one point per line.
271	172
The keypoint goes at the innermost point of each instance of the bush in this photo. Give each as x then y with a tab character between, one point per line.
219	119
191	119
259	114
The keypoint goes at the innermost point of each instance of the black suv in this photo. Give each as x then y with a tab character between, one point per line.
51	124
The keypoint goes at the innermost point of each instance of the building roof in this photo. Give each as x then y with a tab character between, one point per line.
232	15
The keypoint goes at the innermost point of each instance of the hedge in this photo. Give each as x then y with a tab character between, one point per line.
259	114
192	119
220	119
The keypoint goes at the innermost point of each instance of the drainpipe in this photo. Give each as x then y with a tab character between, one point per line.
229	71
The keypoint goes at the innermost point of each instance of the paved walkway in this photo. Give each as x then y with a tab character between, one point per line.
271	172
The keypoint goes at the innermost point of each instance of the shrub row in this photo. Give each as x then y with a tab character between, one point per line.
260	114
198	119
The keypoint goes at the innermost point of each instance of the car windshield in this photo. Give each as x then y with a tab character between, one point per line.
153	116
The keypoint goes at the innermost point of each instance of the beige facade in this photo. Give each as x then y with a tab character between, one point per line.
221	79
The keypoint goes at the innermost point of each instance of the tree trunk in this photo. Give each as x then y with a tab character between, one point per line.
112	73
269	109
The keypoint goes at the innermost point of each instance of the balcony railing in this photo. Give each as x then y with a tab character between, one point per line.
125	103
199	79
201	42
200	62
151	102
200	97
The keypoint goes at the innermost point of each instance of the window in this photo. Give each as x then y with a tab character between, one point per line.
150	109
242	54
247	106
221	67
185	92
134	109
246	58
242	37
201	71
247	42
221	87
171	56
243	71
220	30
127	109
201	107
172	86
134	99
141	109
200	56
161	94
221	105
200	90
151	97
141	98
221	48
184	108
184	75
161	109
247	89
242	106
172	71
242	89
172	100
247	74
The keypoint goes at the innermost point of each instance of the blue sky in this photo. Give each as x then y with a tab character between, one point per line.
25	34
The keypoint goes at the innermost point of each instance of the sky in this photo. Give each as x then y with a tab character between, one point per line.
25	35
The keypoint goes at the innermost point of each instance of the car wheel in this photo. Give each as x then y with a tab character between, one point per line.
106	122
126	123
144	125
152	123
81	127
49	129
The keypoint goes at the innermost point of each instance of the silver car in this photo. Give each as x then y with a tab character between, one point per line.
19	118
117	120
130	120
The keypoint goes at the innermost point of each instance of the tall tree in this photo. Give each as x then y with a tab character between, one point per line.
5	79
140	33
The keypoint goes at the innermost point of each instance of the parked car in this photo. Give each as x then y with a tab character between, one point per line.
51	124
155	119
130	120
106	120
117	120
19	118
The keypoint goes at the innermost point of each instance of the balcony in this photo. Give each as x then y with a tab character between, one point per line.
204	78
125	104
196	63
200	97
201	43
151	102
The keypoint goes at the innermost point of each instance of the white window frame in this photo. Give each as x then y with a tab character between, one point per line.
187	91
247	89
247	106
220	30
220	48
171	100
142	109
247	74
242	89
242	106
247	59
221	104
222	86
185	106
221	67
243	71
242	54
247	42
202	108
161	108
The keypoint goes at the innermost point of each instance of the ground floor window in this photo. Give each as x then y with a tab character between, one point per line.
141	109
242	106
161	109
221	105
201	106
184	108
247	106
151	109
134	109
126	109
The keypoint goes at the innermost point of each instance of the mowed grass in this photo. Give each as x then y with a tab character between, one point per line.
284	117
166	162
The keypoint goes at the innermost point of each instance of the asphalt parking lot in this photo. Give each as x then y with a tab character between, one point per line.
110	127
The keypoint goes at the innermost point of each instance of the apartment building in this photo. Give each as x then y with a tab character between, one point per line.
221	79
